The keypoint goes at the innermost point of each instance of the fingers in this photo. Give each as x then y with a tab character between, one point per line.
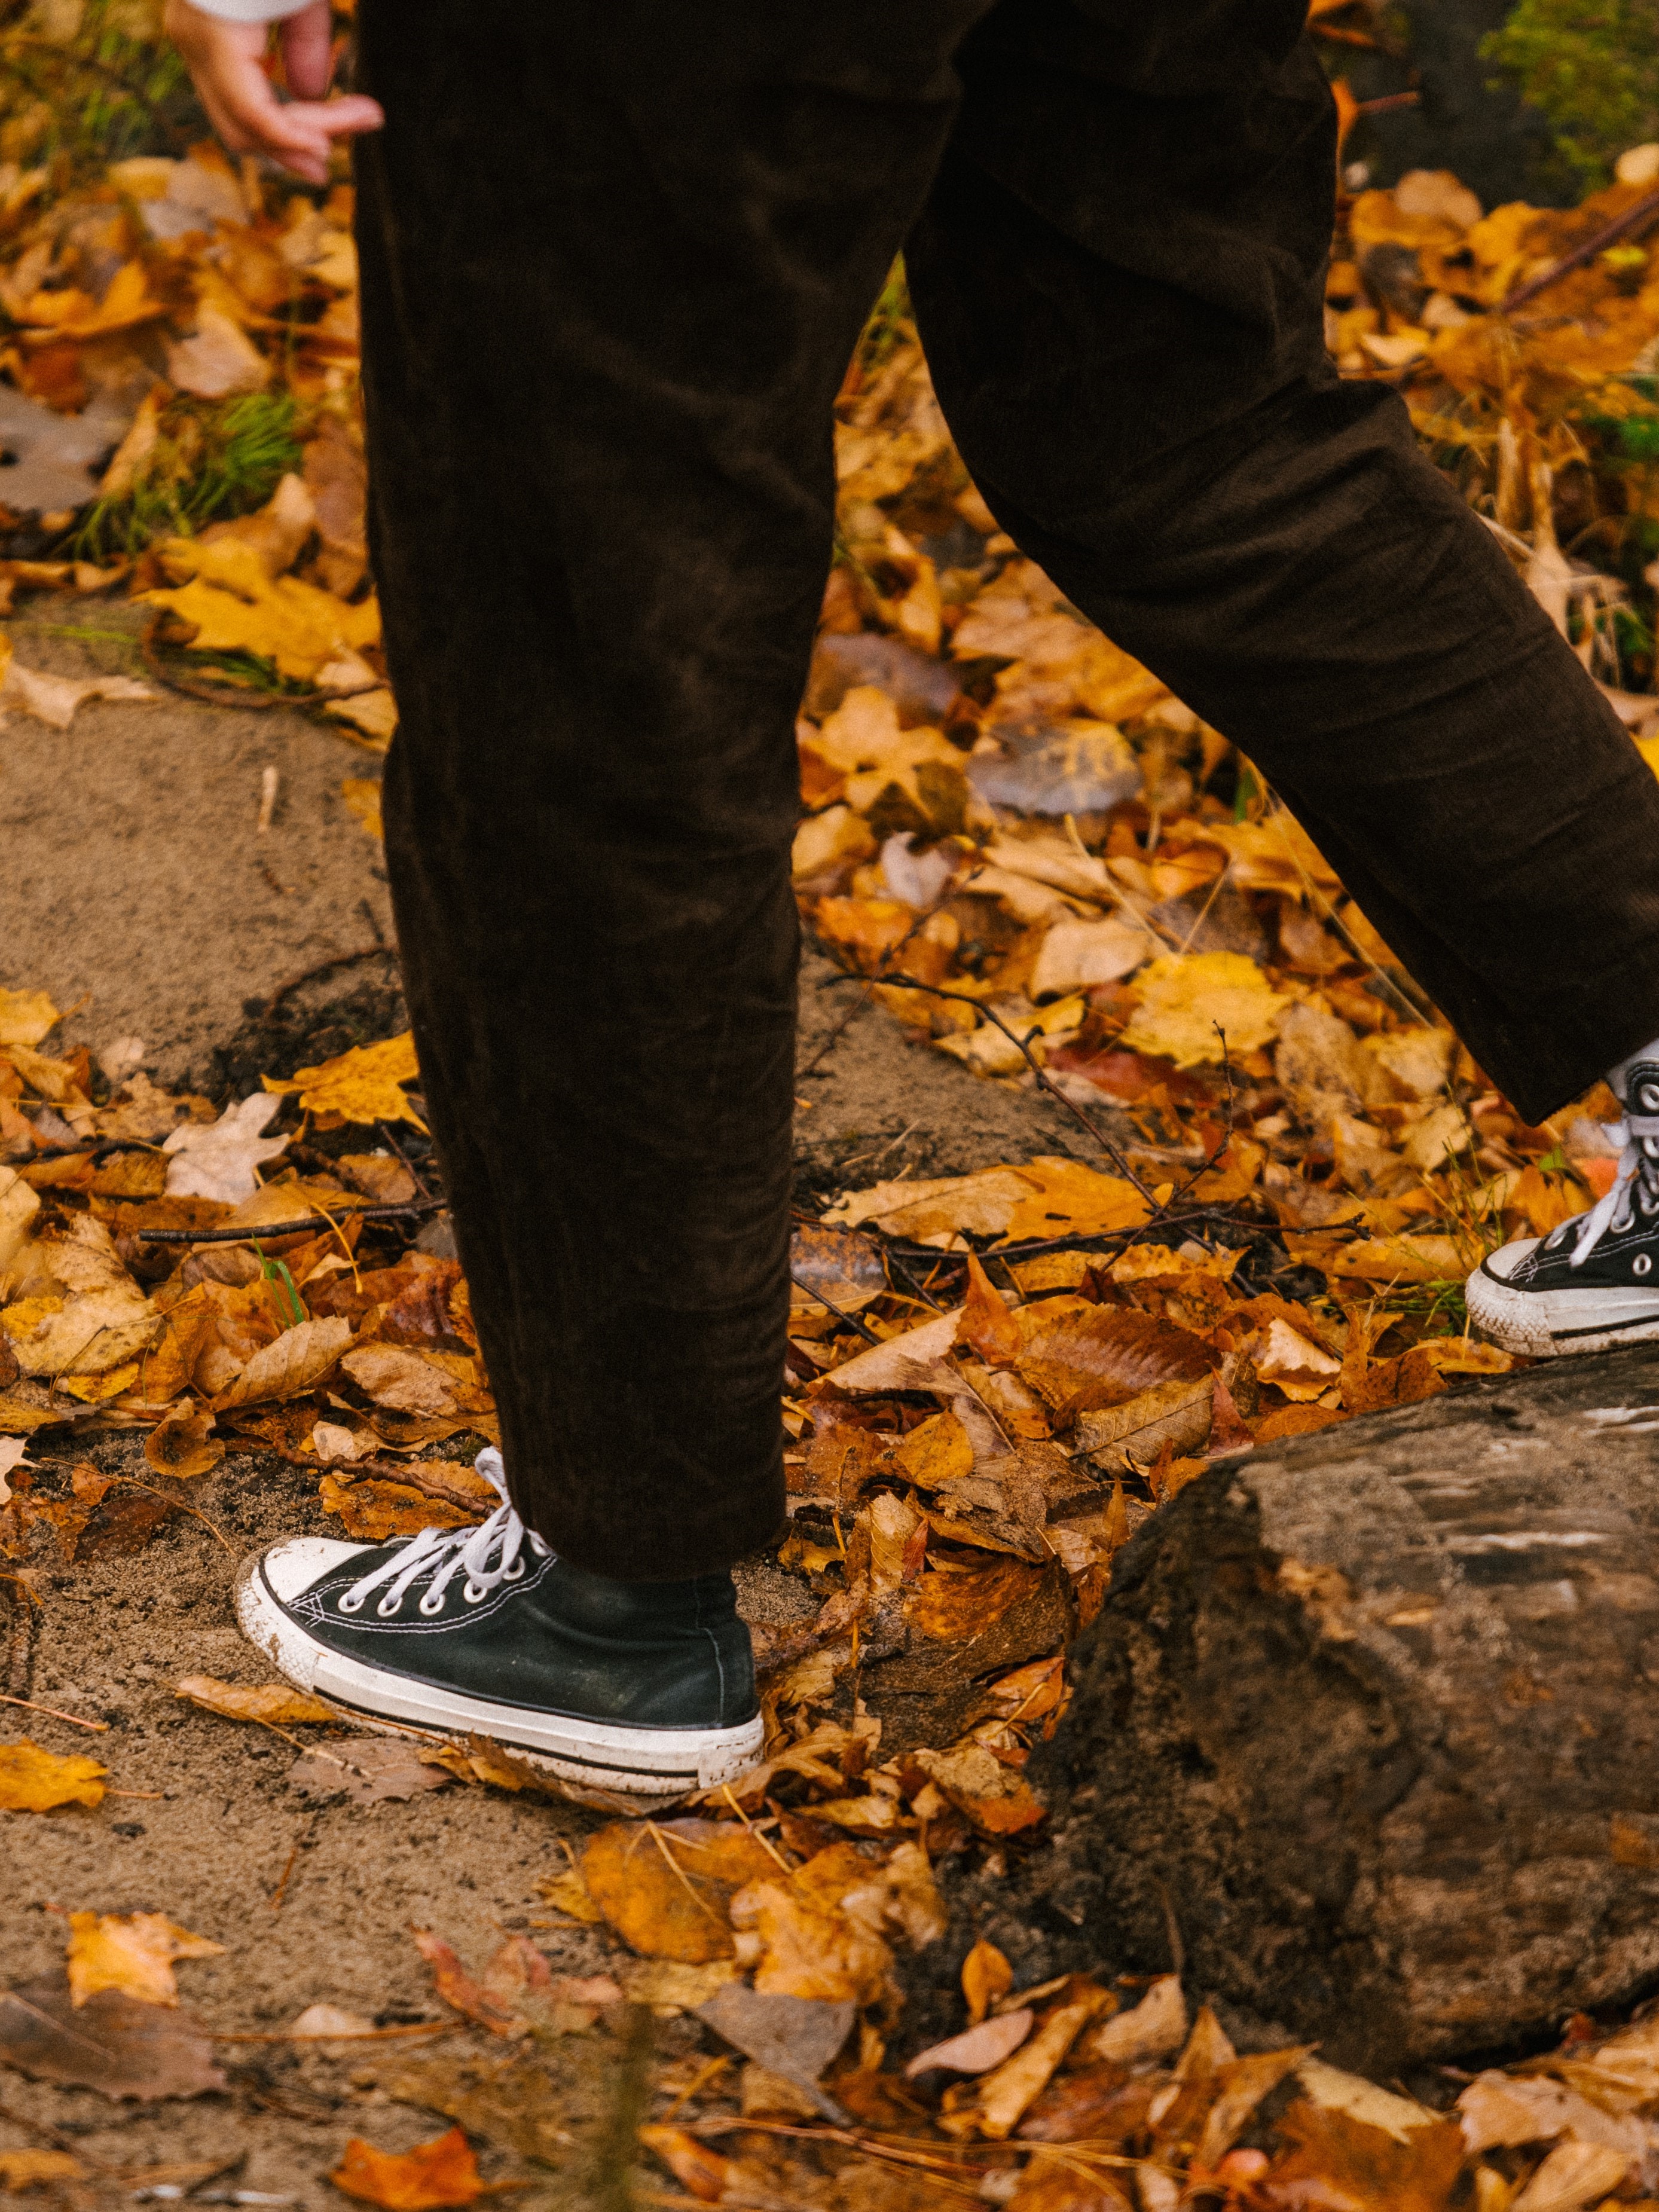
225	59
308	51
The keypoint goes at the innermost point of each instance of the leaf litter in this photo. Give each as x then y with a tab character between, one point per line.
1023	848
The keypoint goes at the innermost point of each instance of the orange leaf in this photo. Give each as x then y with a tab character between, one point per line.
705	2172
986	1324
986	1976
274	1702
439	2172
457	1988
665	1885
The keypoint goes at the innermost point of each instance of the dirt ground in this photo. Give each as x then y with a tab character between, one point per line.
135	888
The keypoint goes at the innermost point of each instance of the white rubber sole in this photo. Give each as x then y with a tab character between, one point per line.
1554	1324
602	1755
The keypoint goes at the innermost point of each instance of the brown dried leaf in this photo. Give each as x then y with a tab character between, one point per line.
394	1377
1337	2159
296	1361
1156	2028
181	1447
112	2043
365	1769
993	1797
1005	2094
804	1946
1177	1415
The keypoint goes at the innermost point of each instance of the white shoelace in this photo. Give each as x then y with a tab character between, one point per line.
490	1555
1614	1209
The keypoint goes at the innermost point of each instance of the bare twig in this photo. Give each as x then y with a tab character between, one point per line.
307	1223
100	1728
851	1320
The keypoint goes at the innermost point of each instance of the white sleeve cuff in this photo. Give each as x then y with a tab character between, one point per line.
251	11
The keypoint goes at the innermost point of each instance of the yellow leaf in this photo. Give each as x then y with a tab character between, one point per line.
181	1447
372	1510
1190	1002
267	1701
361	794
1403	1259
233	605
1073	1200
936	1451
567	1892
34	1781
362	1085
25	1015
133	1954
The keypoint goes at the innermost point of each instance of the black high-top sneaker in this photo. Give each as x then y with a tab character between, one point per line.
644	1687
1594	1282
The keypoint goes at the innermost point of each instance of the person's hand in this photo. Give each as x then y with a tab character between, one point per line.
224	60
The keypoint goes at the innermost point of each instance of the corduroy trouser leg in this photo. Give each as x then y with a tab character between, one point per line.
614	261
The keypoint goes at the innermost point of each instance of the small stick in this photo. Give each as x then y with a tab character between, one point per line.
310	1223
269	782
99	1727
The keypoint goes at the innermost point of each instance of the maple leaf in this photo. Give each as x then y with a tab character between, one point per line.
131	1954
231	604
363	1085
440	2172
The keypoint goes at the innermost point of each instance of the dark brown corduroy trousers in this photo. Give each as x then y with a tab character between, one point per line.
616	254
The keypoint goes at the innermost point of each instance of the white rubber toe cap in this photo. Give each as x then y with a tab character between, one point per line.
294	1565
1507	1258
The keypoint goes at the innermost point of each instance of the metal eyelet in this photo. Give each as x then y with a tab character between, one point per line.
475	1593
352	1601
515	1572
1642	1264
388	1606
432	1602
